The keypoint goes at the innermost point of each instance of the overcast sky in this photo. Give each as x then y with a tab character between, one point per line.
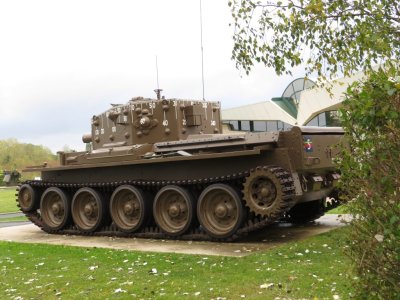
63	61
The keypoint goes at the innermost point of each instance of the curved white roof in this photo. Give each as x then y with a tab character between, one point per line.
262	111
312	102
317	100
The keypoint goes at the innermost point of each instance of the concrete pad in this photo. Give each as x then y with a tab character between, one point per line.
259	241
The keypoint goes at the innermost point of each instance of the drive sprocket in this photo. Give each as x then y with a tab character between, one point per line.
267	191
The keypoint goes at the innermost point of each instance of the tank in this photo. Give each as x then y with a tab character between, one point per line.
163	168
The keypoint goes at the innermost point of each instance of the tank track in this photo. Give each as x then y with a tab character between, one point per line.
252	223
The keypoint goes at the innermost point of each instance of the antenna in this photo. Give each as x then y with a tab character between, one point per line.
201	43
157	90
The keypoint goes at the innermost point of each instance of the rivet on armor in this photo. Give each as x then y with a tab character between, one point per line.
183	130
216	130
127	135
139	133
167	130
111	137
97	139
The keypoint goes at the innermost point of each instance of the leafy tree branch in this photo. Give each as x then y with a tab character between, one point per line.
328	37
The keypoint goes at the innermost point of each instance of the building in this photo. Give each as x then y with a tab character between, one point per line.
302	104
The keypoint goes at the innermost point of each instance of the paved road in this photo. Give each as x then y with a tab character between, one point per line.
11	215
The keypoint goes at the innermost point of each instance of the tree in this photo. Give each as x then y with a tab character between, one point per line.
370	182
328	37
17	156
332	37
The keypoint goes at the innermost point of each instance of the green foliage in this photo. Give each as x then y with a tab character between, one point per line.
17	156
370	178
315	268
329	37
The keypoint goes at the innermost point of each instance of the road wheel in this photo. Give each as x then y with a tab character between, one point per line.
55	207
220	210
88	209
28	198
173	210
128	208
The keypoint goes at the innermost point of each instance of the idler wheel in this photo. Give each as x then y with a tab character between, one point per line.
28	198
55	207
128	208
88	209
173	210
220	211
263	193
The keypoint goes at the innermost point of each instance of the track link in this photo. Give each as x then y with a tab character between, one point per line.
252	223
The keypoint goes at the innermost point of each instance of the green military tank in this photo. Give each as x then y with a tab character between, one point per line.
162	168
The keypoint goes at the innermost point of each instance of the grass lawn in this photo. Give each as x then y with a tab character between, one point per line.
312	269
7	200
16	219
341	209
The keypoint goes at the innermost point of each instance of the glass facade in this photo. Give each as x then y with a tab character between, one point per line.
326	119
259	126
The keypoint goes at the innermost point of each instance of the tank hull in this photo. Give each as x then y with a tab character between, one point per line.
196	184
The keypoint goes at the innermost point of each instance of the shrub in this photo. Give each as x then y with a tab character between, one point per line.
370	182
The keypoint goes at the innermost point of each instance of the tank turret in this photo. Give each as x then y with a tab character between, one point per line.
147	121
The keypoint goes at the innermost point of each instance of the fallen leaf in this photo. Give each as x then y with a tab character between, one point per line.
267	286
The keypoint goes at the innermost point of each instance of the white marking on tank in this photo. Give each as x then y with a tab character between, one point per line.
205	108
132	109
165	121
152	106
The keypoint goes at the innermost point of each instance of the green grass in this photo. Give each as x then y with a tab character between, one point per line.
310	269
341	209
7	200
16	219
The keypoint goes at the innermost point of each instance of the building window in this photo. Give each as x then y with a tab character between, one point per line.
245	125
260	126
234	124
326	119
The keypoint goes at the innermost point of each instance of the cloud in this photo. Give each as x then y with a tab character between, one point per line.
64	61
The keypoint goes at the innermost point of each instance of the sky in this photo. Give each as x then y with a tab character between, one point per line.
63	61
